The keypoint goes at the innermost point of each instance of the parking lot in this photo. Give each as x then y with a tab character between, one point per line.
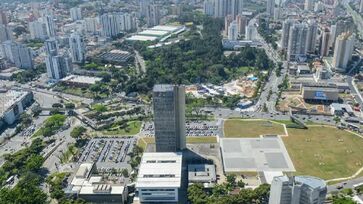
202	128
108	153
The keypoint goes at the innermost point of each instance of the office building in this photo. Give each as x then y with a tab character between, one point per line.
18	54
5	33
297	41
50	25
169	117
311	36
241	24
233	31
159	177
286	33
38	30
343	51
153	15
208	7
324	47
110	24
77	48
270	8
298	189
3	18
76	13
309	5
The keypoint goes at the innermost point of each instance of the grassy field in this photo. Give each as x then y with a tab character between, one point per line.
243	128
142	142
324	152
133	127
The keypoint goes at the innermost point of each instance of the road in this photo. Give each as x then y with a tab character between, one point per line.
140	63
345	184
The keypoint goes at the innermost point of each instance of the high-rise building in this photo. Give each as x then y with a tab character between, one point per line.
76	13
111	25
233	31
77	47
208	7
241	24
58	66
38	30
3	18
18	54
251	32
128	22
343	51
324	47
298	189
286	33
309	5
270	7
51	47
227	21
91	25
341	26
220	8
235	7
361	6
50	25
5	33
153	15
312	35
144	4
169	117
297	41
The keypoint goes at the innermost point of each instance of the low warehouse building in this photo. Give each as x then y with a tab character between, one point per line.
13	104
320	94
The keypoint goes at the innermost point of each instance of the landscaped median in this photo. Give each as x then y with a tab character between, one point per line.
323	151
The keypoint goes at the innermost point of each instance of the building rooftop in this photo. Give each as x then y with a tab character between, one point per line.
81	79
201	173
142	38
161	169
158	33
311	181
163	87
8	98
166	28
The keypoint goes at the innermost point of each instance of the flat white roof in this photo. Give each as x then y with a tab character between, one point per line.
158	33
142	38
113	189
270	175
9	98
161	169
81	79
166	28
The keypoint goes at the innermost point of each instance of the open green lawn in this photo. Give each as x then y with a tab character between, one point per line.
324	152
244	128
133	127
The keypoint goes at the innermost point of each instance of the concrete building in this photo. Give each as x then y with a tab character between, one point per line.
251	32
94	188
220	8
235	7
80	81
18	54
324	45
227	21
144	4
153	15
298	189
241	24
320	94
5	33
58	66
159	178
286	33
309	5
233	31
343	51
38	30
77	48
13	104
361	6
297	41
50	25
341	26
3	18
169	117
110	24
76	13
270	7
311	36
202	173
128	22
91	25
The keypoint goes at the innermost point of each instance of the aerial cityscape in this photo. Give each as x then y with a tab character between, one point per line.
181	101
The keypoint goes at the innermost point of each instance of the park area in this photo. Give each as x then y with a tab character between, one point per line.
322	151
251	128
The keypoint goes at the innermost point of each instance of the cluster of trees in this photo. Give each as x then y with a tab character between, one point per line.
52	124
29	75
220	194
199	59
267	33
25	121
78	131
